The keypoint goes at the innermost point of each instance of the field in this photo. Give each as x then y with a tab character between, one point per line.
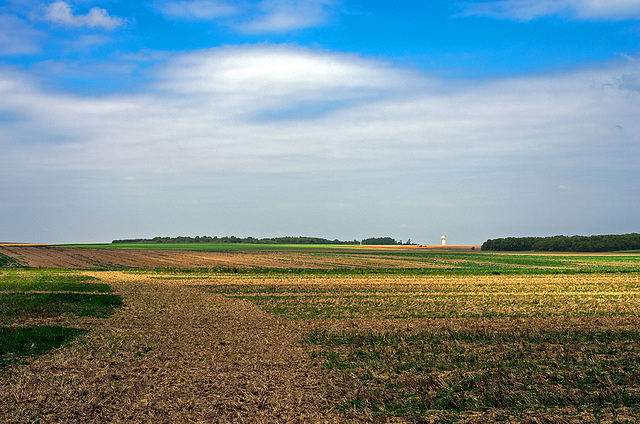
322	334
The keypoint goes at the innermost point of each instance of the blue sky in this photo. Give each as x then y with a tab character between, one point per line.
328	118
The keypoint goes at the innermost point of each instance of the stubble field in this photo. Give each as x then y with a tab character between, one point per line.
476	337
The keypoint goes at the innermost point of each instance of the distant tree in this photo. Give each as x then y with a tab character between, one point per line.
517	244
553	244
385	241
234	239
596	243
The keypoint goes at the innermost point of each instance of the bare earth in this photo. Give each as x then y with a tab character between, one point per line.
85	258
173	354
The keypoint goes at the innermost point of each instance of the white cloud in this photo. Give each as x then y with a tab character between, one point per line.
579	9
253	17
243	109
61	13
286	15
239	129
195	9
281	74
17	37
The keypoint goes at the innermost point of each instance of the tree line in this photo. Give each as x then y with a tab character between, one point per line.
234	239
384	241
252	240
598	243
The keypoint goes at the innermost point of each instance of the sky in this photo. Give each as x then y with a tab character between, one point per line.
342	119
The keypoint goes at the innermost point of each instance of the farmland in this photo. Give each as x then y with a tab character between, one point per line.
320	334
261	257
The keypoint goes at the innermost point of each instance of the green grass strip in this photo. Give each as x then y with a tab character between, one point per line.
43	305
23	286
17	343
8	261
37	280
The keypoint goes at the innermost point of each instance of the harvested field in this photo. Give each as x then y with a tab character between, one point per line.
64	257
320	258
191	345
171	354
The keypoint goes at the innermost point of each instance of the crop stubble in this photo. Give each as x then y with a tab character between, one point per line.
171	354
477	349
202	349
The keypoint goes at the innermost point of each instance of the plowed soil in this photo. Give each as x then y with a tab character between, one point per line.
86	258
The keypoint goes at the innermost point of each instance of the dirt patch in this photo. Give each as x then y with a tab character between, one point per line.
172	354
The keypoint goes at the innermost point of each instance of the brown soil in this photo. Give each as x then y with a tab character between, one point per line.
173	354
86	258
67	257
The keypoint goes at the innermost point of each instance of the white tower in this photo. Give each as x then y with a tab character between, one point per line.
444	241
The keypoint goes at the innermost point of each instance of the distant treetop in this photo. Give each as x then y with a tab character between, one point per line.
380	241
600	243
234	239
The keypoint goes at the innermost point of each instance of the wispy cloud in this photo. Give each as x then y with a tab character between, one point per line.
17	36
525	10
61	13
286	15
254	17
195	9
